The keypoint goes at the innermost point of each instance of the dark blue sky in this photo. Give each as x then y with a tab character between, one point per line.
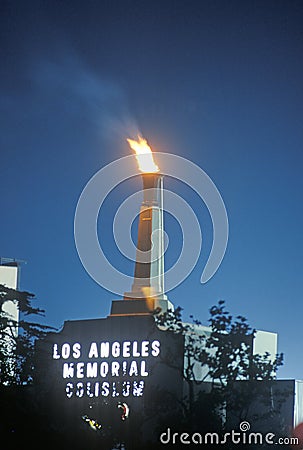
217	82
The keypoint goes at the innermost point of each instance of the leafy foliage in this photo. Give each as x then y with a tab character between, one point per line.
17	337
221	370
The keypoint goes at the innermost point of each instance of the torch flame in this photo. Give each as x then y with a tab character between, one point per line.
144	155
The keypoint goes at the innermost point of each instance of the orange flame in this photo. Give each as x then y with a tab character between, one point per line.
144	155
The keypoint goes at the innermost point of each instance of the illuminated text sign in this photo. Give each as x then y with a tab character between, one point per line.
106	368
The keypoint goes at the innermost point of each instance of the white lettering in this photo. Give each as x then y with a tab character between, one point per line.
235	437
68	370
88	389
214	438
256	436
55	352
91	370
105	389
163	438
69	390
77	350
135	349
93	351
175	435
80	367
155	348
103	369
104	350
138	388
133	370
115	393
198	435
126	388
143	371
126	349
115	369
184	436
65	351
116	349
144	348
97	386
269	438
135	364
225	436
79	390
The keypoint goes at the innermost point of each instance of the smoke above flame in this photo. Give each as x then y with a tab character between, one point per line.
144	155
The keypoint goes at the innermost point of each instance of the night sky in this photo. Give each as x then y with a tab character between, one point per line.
217	82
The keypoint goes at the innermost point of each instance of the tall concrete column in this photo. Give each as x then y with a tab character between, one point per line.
147	292
149	268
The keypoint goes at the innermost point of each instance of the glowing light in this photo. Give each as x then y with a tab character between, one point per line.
92	423
144	155
125	410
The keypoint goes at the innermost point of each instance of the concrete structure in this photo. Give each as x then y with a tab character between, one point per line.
91	366
9	277
263	342
149	268
147	293
278	408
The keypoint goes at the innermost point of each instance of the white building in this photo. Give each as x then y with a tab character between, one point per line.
264	341
9	277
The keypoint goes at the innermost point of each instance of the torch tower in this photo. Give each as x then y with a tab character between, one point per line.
147	293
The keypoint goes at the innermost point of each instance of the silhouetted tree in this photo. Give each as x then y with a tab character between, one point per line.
17	337
216	362
21	415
